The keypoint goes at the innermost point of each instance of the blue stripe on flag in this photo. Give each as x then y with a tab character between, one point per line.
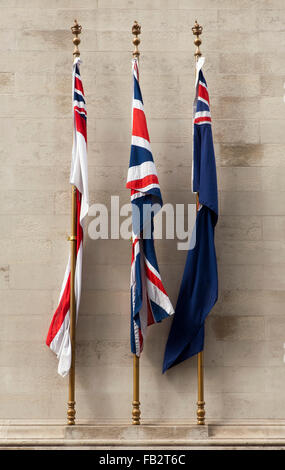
201	106
158	313
143	217
150	253
139	155
78	97
137	91
202	78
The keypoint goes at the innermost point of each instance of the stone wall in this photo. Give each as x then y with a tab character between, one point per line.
243	43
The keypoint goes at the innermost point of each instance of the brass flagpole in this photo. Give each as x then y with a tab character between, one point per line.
136	413
197	31
76	30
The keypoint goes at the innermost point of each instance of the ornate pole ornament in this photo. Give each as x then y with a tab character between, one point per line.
136	30
197	31
76	30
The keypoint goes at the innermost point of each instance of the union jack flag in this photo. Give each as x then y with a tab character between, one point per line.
58	338
149	300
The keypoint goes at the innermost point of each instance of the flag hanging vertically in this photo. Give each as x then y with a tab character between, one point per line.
58	338
199	288
149	300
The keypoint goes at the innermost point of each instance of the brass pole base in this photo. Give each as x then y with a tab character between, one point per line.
71	413
201	412
136	413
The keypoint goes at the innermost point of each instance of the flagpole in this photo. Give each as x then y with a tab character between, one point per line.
197	31
76	30
136	413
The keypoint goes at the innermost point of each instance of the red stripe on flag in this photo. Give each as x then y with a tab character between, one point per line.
203	93
142	183
154	279
78	85
81	110
139	124
202	119
80	123
60	313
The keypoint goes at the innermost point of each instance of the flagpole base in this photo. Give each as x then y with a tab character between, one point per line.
201	413
200	376
136	413
71	413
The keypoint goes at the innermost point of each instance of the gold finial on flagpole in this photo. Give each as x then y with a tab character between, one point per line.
197	31
76	30
136	31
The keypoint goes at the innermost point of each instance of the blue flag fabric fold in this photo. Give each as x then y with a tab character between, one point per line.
199	288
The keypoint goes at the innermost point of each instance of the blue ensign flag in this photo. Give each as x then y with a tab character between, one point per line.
199	288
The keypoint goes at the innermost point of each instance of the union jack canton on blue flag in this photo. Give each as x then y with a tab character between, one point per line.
199	288
149	300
